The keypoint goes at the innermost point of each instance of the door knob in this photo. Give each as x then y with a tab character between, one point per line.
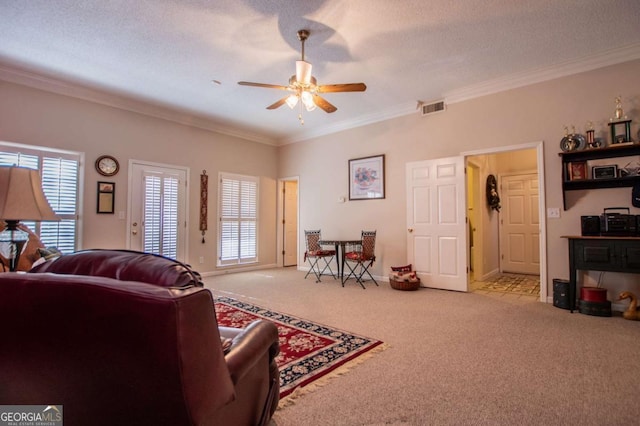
410	229
134	232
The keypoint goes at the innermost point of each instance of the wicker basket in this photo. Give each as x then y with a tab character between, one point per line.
404	285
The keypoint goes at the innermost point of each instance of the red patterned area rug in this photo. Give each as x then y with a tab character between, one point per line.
308	351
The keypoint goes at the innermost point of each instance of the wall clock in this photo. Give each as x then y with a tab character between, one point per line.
107	165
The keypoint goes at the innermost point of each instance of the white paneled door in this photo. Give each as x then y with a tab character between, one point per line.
157	219
436	226
519	224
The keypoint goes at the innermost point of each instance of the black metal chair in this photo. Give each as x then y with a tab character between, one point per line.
315	253
362	256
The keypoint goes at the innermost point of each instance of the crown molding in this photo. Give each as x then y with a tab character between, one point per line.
576	66
61	87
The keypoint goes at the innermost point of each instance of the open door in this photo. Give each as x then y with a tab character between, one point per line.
436	222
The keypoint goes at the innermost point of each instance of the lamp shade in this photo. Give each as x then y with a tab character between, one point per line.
21	195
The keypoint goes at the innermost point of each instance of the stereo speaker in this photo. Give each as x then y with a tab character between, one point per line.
590	225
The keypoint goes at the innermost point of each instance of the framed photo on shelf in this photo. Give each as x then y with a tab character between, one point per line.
604	172
106	196
577	170
366	178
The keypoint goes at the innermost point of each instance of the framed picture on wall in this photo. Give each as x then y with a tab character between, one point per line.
366	178
106	197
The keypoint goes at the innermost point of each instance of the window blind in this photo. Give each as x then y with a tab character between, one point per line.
238	231
60	175
161	215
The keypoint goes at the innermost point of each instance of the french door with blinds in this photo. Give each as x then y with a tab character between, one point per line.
157	219
59	171
238	213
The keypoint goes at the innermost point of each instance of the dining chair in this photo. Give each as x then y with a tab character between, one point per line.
362	257
315	253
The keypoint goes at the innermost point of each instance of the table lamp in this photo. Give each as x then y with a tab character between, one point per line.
21	198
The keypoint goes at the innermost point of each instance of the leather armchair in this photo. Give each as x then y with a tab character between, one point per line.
127	352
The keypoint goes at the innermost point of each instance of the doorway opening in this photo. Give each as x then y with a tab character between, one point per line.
507	248
287	229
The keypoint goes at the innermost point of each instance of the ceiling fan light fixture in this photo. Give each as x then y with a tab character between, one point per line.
307	100
304	89
292	100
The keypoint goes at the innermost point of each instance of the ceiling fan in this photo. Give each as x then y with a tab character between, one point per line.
303	87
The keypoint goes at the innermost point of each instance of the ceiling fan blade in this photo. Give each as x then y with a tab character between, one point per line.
323	104
348	87
278	104
267	86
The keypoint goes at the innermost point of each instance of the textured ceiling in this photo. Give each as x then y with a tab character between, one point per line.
160	56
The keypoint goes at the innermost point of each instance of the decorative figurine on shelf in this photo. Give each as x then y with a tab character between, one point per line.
632	312
620	125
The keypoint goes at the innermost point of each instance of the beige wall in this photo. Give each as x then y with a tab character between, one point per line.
34	117
533	113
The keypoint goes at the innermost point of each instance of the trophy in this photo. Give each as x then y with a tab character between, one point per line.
620	125
591	140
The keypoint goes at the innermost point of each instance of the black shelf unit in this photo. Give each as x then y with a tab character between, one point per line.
613	151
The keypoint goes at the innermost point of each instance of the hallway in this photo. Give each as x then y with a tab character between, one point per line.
511	285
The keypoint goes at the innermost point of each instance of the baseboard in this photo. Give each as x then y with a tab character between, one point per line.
488	275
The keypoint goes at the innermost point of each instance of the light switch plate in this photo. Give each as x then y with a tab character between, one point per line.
553	212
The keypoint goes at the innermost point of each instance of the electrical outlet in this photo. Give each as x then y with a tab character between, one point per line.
201	260
553	212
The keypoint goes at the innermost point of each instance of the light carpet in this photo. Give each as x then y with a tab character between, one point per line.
308	351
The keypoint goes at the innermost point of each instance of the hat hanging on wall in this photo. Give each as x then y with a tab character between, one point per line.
635	195
493	199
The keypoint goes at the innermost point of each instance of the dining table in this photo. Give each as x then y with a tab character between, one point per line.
340	247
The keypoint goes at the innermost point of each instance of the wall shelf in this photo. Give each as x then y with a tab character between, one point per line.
626	150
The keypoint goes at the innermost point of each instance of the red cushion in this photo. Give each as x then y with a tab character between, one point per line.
357	256
320	253
406	268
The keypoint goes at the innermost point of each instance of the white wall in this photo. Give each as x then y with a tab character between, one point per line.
533	113
34	117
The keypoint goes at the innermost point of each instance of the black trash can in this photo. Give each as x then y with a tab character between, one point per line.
561	293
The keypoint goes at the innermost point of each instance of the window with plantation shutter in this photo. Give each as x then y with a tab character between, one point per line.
161	214
238	230
59	171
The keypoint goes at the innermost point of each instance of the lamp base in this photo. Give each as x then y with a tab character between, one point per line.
16	238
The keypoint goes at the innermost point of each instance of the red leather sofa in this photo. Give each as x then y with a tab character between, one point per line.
126	338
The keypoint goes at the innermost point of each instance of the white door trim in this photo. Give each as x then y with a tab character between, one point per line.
280	225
